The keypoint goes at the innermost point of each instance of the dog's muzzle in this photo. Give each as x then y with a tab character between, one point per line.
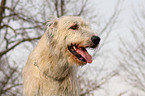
80	51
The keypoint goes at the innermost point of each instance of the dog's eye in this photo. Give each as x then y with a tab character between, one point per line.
74	27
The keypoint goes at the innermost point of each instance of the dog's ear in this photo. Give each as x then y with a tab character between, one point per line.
53	24
51	28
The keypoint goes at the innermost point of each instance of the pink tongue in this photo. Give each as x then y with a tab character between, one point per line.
85	54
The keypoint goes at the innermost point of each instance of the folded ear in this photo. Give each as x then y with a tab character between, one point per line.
53	24
51	28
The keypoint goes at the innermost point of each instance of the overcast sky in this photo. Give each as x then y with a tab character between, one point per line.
117	85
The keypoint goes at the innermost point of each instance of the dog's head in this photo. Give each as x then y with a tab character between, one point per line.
72	35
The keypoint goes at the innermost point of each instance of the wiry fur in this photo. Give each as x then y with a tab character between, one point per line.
51	69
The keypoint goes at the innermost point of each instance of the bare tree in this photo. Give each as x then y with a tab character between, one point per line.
132	58
22	23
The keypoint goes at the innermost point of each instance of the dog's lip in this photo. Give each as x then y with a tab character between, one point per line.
80	52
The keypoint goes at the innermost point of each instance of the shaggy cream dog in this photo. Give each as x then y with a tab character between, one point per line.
51	67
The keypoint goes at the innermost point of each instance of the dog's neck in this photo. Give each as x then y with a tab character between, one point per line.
58	68
59	79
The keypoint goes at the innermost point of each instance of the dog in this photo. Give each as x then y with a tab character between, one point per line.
51	67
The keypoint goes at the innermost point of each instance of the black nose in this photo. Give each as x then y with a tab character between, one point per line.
95	39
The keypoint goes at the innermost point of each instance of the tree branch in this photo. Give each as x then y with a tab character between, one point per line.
2	10
18	43
56	8
83	7
62	7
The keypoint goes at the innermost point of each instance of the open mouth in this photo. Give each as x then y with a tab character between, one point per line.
81	53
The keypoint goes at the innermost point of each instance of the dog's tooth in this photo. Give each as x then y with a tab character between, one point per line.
74	47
